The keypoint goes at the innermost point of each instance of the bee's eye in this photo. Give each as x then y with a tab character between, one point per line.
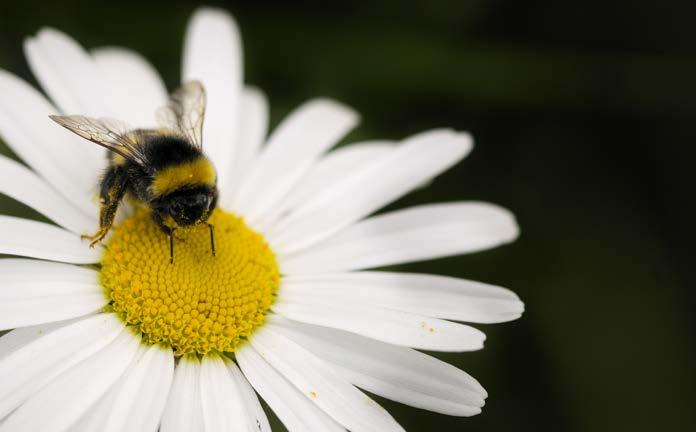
201	199
176	207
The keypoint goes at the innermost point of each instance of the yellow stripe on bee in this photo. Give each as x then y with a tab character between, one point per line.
197	172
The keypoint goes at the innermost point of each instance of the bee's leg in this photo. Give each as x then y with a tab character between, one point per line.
113	187
171	245
157	217
211	227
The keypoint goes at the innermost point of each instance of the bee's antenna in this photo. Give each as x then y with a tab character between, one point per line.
212	238
171	245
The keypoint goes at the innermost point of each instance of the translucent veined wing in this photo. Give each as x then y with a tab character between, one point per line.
185	111
113	134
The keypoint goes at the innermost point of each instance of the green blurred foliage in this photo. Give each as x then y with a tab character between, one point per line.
583	118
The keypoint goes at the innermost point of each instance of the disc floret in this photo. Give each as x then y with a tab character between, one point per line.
201	303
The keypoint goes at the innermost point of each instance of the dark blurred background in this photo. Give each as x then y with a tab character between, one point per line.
583	116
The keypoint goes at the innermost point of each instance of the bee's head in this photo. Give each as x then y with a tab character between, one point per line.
190	207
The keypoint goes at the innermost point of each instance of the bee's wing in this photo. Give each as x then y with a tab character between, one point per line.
113	134
185	111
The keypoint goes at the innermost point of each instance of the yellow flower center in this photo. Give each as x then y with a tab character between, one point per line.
200	302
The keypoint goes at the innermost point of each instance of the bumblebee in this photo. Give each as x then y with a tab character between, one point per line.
164	169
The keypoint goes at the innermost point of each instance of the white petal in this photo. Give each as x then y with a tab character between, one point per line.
139	399
63	401
68	163
223	408
182	413
25	237
329	171
95	418
386	325
146	413
413	234
138	86
69	75
36	292
397	373
213	55
23	185
315	379
30	367
253	128
429	295
75	83
256	417
29	270
292	149
17	338
294	409
368	188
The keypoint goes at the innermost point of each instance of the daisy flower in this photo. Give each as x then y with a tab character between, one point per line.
116	338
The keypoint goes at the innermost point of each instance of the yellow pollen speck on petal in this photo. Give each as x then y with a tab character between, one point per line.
200	303
313	394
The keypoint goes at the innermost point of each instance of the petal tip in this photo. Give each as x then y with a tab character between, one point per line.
508	227
514	230
475	411
465	141
50	34
205	14
328	104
